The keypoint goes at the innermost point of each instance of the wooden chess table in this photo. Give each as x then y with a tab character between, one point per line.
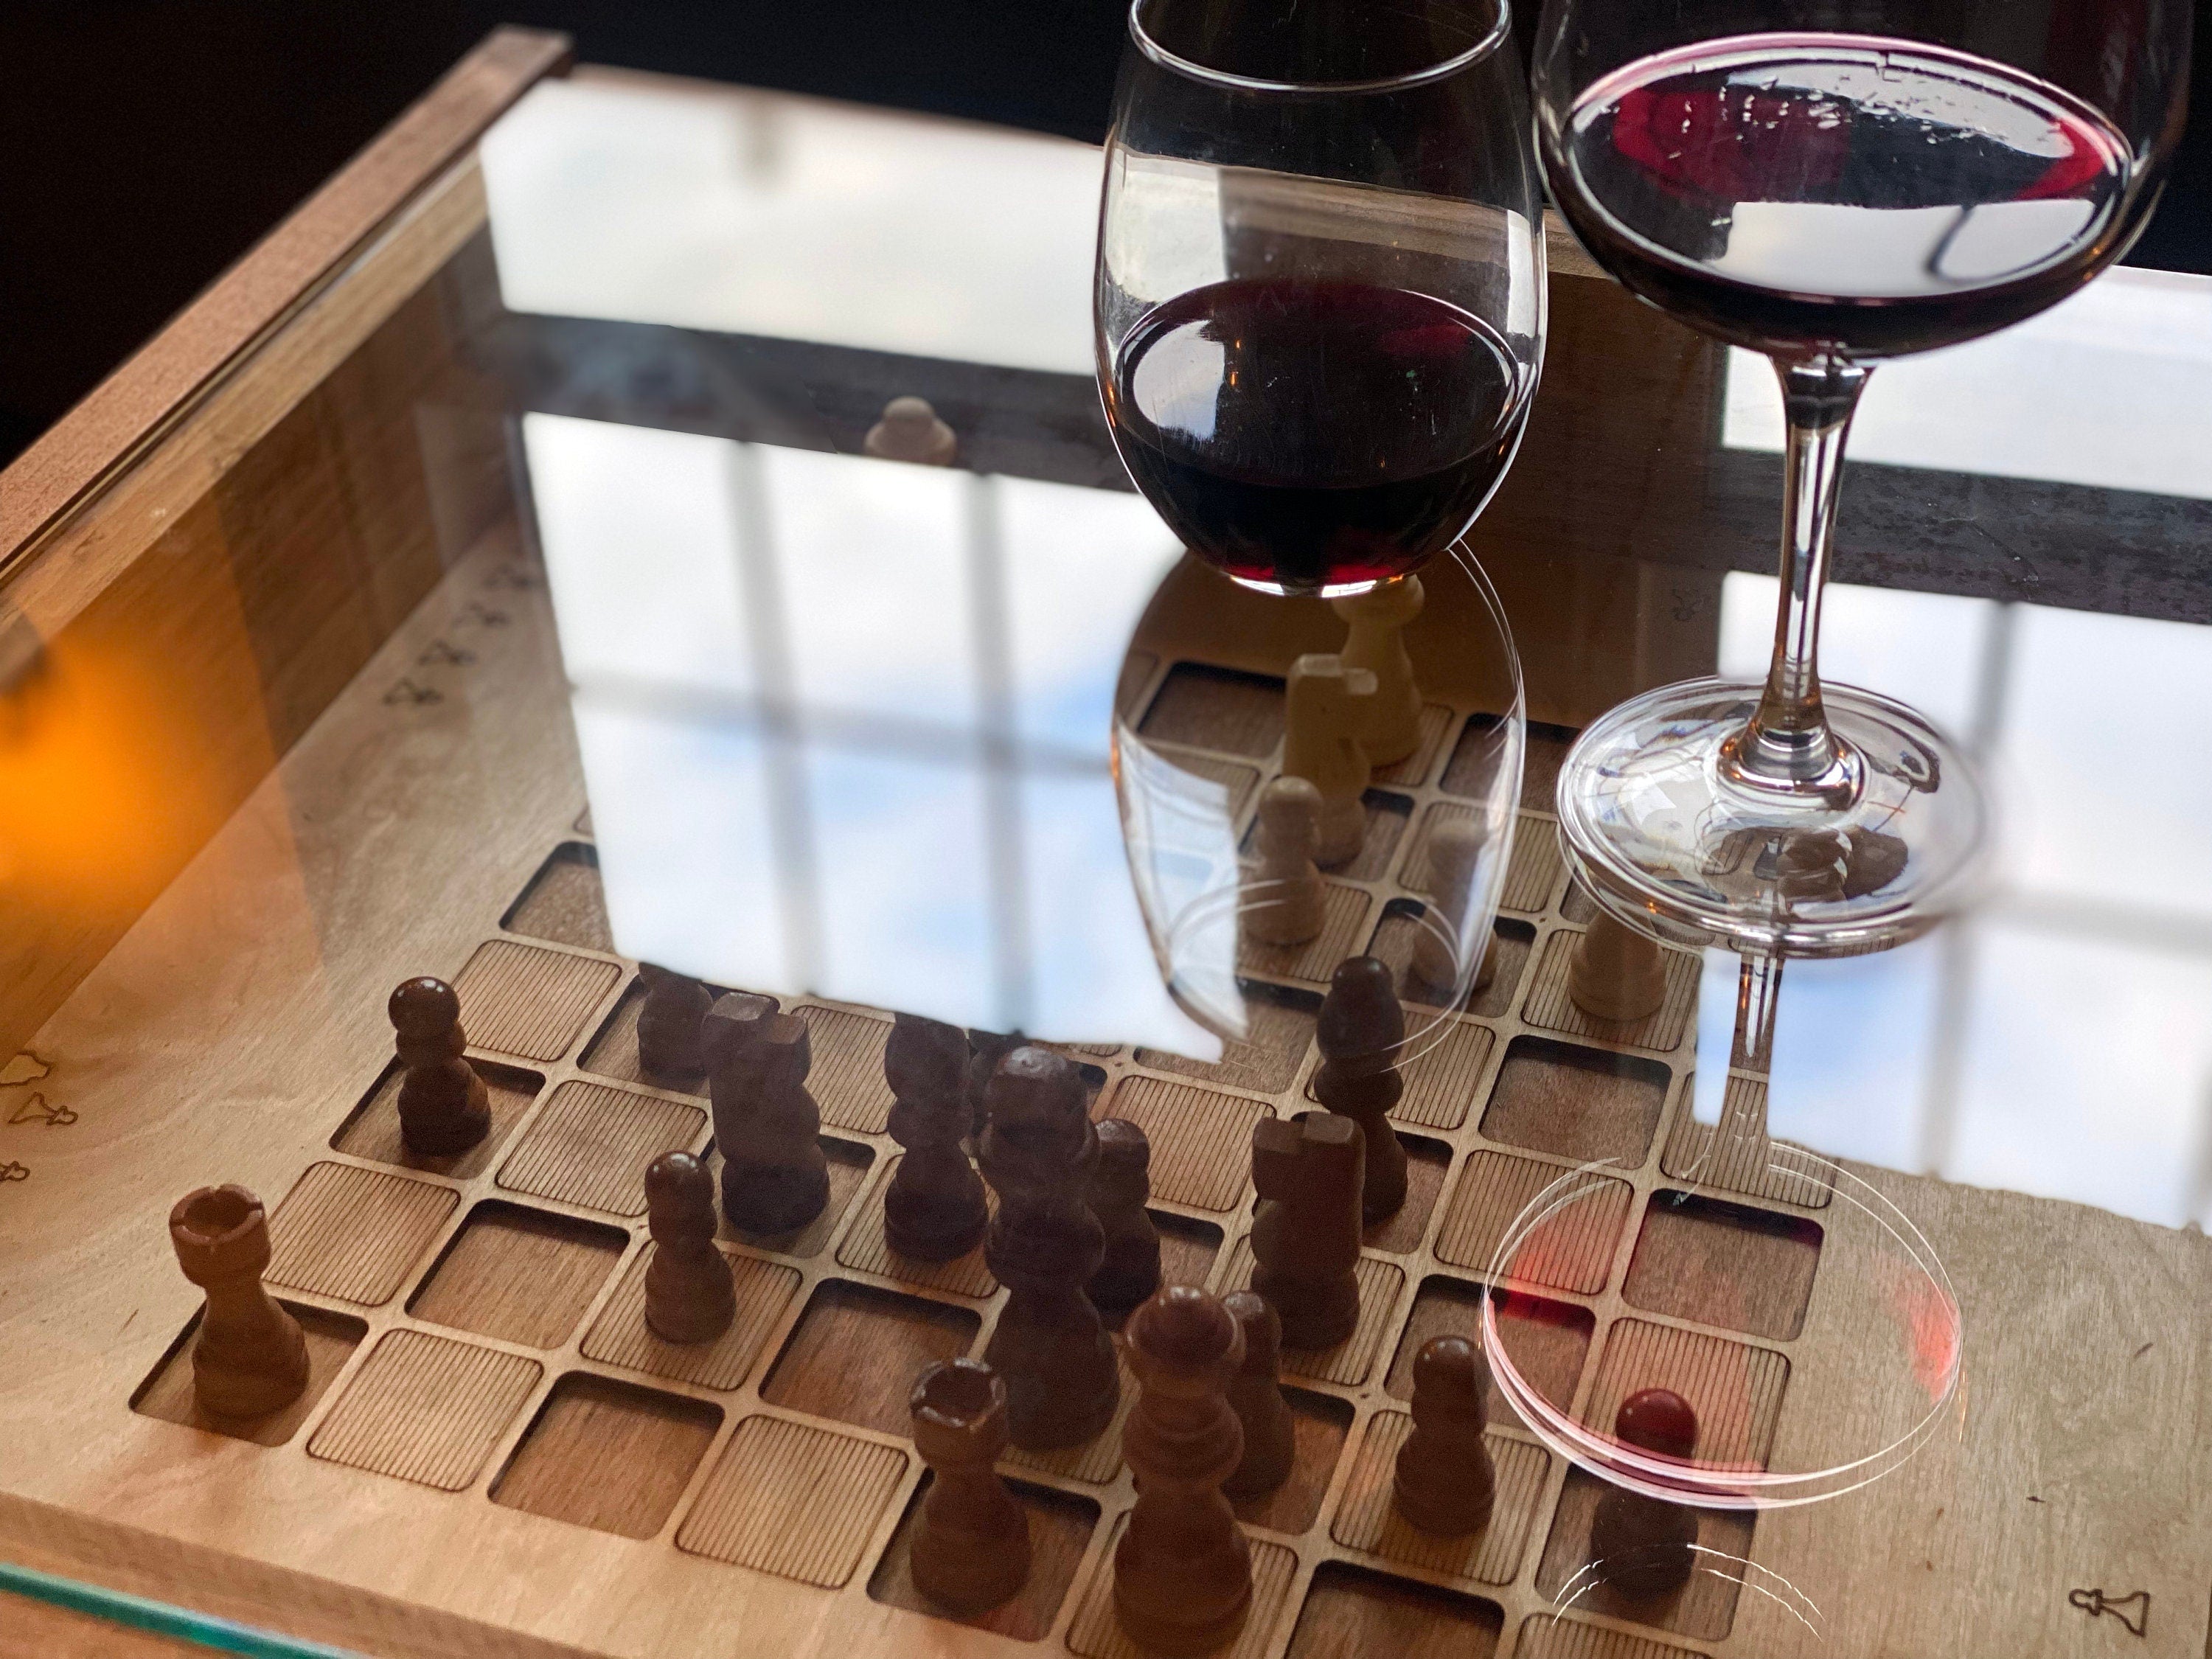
288	721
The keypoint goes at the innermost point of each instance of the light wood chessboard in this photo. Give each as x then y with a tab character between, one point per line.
495	1454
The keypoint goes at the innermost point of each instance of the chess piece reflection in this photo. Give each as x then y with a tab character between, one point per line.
1285	899
250	1358
689	1296
1255	1395
1444	1481
1326	710
910	431
1120	1185
971	1541
1305	1232
1360	1033
1617	973
1377	620
1644	1548
444	1107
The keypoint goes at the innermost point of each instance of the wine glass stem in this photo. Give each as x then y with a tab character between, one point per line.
1788	749
1758	994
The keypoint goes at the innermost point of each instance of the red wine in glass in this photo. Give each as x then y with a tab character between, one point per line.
1314	436
1839	193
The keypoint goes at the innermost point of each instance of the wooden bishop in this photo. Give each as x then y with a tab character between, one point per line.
1305	1234
689	1294
1326	712
767	1126
1360	1032
935	1208
1444	1481
1377	620
971	1541
249	1359
444	1107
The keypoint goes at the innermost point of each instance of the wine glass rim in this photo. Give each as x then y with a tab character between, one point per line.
1197	72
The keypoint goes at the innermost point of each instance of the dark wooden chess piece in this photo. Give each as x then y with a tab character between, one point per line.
668	1023
1062	1381
1644	1548
971	1541
444	1107
1361	1029
934	1208
1119	1187
1182	1572
775	1177
985	1050
1305	1235
1255	1395
251	1358
1444	1482
689	1293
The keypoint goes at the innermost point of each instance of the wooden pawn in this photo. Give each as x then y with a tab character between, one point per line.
689	1296
1617	973
935	1208
444	1107
1120	1185
1444	1481
1360	1031
1285	899
1645	1547
1255	1395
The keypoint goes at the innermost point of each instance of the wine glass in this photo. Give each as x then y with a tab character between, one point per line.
1829	186
1319	300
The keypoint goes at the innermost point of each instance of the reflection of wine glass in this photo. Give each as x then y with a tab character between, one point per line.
1829	199
1319	299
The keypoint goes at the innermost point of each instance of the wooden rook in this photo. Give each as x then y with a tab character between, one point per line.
1445	1482
1376	642
668	1023
251	1358
767	1126
1454	849
971	1540
1182	1572
1062	1383
1360	1032
985	1050
1119	1187
444	1107
1255	1395
1305	1233
935	1208
1326	712
1617	973
1285	899
1644	1548
689	1294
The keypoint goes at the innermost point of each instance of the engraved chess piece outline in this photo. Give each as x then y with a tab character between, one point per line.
444	1107
1286	899
1325	710
1306	1229
250	1358
1376	621
37	1109
971	1539
2096	1604
1120	1187
1360	1032
935	1209
775	1177
1255	1395
691	1295
1444	1481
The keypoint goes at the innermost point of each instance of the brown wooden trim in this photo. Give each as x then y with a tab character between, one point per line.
279	273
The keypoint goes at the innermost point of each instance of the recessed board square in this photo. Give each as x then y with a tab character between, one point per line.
1096	1633
1319	1423
1531	873
1427	1162
168	1394
354	1234
1343	928
426	1408
522	1275
1552	1005
1281	1027
373	1131
1548	1339
847	1080
564	901
867	1247
1217	709
1582	1104
1545	748
1348	1363
1059	1531
1724	1264
607	1456
1394	943
1573	1250
1202	1138
1771	1170
1703	1608
1354	1614
1387	815
612	1051
519	1000
792	1499
848	1163
1187	1248
1736	1387
1436	722
1367	1517
620	1336
1546	1636
589	1145
856	1350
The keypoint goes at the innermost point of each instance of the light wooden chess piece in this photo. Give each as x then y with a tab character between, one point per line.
668	1023
775	1178
1360	1033
1255	1395
249	1359
1305	1233
1444	1481
1286	897
689	1296
1617	973
910	431
935	1208
1326	710
1378	619
1182	1572
1454	849
971	1541
1645	1547
1062	1381
1120	1186
444	1107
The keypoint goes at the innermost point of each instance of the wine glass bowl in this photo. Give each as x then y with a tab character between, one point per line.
1319	296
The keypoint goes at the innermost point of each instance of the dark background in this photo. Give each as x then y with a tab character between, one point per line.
148	143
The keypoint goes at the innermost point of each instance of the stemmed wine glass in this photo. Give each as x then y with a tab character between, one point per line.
1829	185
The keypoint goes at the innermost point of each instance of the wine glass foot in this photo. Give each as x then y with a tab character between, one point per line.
1666	835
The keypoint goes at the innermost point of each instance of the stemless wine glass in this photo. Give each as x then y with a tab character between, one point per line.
1320	300
1830	185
